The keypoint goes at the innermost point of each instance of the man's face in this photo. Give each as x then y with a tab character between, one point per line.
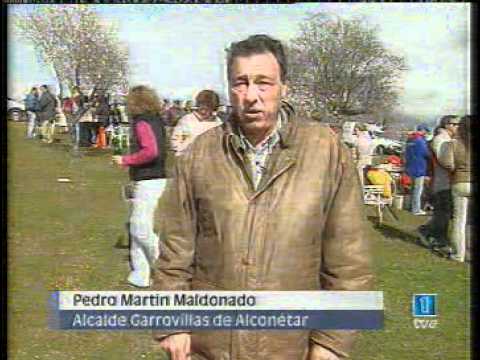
452	128
35	92
204	112
256	91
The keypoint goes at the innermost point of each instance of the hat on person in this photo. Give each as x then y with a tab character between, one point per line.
423	127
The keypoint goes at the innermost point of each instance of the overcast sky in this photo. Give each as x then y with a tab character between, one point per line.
179	49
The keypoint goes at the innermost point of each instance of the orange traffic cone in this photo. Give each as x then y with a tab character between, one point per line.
101	138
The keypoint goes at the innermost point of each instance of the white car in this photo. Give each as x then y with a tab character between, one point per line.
381	146
16	110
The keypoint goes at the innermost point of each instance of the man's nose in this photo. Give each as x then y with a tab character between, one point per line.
252	93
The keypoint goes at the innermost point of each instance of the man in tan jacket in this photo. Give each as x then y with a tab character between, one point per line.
265	201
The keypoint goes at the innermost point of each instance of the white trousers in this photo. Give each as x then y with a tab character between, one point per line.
31	118
144	243
461	197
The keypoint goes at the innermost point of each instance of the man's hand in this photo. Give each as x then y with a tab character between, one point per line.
320	353
117	159
178	345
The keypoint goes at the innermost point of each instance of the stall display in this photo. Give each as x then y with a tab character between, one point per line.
86	133
120	139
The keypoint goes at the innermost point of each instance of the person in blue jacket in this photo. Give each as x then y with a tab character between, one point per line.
32	107
417	157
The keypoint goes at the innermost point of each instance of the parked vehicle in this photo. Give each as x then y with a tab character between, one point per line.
380	145
16	110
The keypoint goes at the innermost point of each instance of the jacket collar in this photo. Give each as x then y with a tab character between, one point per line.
286	130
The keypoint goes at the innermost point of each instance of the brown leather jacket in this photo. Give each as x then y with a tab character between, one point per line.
456	158
302	229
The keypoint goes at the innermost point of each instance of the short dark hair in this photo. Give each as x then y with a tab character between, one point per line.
258	44
33	88
207	98
44	87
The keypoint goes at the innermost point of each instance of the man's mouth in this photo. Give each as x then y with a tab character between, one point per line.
252	112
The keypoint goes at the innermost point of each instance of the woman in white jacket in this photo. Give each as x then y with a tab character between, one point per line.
197	122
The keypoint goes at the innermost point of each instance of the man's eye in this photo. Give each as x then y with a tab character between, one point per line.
240	86
263	85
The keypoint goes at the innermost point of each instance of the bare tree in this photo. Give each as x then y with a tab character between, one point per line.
81	49
39	28
339	67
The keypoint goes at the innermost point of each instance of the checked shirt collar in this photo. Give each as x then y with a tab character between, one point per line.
257	156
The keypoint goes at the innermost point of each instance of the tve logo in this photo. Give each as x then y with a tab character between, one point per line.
424	306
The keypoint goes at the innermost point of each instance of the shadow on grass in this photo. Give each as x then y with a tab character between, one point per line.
122	243
391	232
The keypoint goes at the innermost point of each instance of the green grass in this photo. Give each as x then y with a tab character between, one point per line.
402	269
62	236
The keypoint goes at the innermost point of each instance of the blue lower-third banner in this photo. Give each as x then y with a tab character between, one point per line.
220	320
216	310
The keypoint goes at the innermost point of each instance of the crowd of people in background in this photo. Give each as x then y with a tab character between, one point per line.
42	108
158	127
435	178
444	160
92	119
147	163
449	156
436	164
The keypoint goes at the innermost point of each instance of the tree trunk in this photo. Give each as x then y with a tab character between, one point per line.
60	82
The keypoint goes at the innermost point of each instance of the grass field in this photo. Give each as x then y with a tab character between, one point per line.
62	236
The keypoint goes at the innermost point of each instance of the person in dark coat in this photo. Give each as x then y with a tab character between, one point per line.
435	232
79	100
102	110
46	114
417	156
